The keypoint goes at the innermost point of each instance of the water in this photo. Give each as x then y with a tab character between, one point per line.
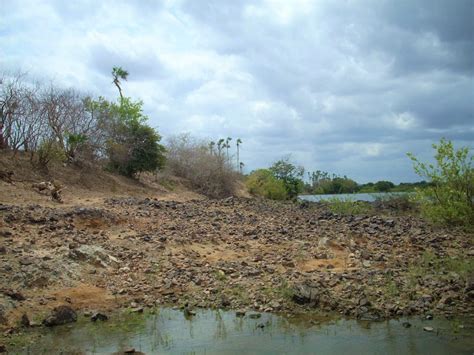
369	197
219	332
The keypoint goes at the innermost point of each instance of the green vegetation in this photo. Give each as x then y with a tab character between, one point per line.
449	198
263	183
348	207
290	175
283	180
430	263
56	125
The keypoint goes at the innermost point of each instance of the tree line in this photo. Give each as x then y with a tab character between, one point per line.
55	124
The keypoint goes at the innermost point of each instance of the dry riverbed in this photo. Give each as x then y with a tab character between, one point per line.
233	254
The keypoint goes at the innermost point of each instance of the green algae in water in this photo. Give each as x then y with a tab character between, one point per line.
221	332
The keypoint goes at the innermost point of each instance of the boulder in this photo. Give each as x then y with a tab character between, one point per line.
60	315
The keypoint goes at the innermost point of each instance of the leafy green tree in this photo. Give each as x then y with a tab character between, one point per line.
449	197
263	183
291	176
132	145
384	186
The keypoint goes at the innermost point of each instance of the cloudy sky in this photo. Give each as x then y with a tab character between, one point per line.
343	86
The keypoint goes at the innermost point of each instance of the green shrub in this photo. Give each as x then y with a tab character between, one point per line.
49	151
262	183
348	207
449	198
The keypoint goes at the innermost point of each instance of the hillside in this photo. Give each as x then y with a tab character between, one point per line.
117	243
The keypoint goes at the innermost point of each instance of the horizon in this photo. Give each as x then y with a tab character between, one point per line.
348	89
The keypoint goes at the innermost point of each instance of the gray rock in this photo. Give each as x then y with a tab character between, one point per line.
61	315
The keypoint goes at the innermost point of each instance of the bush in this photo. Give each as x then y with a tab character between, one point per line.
132	146
209	173
262	183
49	151
449	198
348	207
290	175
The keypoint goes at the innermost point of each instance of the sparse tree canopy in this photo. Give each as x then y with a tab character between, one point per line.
450	197
117	74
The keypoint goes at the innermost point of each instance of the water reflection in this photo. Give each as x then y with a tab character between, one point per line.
210	331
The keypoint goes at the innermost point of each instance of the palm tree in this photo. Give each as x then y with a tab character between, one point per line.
211	147
119	73
239	142
220	146
227	146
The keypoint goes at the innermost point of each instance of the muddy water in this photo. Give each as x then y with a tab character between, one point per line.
219	332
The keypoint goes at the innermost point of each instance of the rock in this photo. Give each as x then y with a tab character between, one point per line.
61	315
364	302
239	313
3	317
406	325
137	310
428	329
3	348
13	294
254	315
303	294
99	316
366	263
93	254
25	321
429	317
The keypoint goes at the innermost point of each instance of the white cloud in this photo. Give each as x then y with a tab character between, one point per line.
342	86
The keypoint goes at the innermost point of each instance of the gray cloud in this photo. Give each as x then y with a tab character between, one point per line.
348	87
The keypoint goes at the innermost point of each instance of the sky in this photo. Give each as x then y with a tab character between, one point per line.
342	86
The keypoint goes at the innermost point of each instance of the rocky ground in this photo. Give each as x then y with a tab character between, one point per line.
235	253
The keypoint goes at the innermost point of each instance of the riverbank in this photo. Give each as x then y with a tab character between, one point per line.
232	254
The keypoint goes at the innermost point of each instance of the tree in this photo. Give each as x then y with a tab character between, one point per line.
227	146
449	197
384	186
291	176
263	183
220	146
239	143
119	73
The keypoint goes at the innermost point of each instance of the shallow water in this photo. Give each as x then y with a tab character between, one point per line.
368	197
220	332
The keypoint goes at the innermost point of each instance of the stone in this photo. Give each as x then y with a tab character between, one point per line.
303	294
406	325
25	321
99	316
428	329
255	315
60	315
240	313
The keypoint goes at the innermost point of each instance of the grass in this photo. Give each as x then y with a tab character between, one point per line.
348	207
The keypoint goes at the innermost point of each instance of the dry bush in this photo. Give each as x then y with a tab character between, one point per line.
208	172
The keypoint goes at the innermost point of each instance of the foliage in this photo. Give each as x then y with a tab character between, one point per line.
49	151
263	183
209	173
348	207
290	175
74	142
449	199
132	146
322	182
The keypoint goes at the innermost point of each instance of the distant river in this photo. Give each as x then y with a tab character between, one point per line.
369	197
